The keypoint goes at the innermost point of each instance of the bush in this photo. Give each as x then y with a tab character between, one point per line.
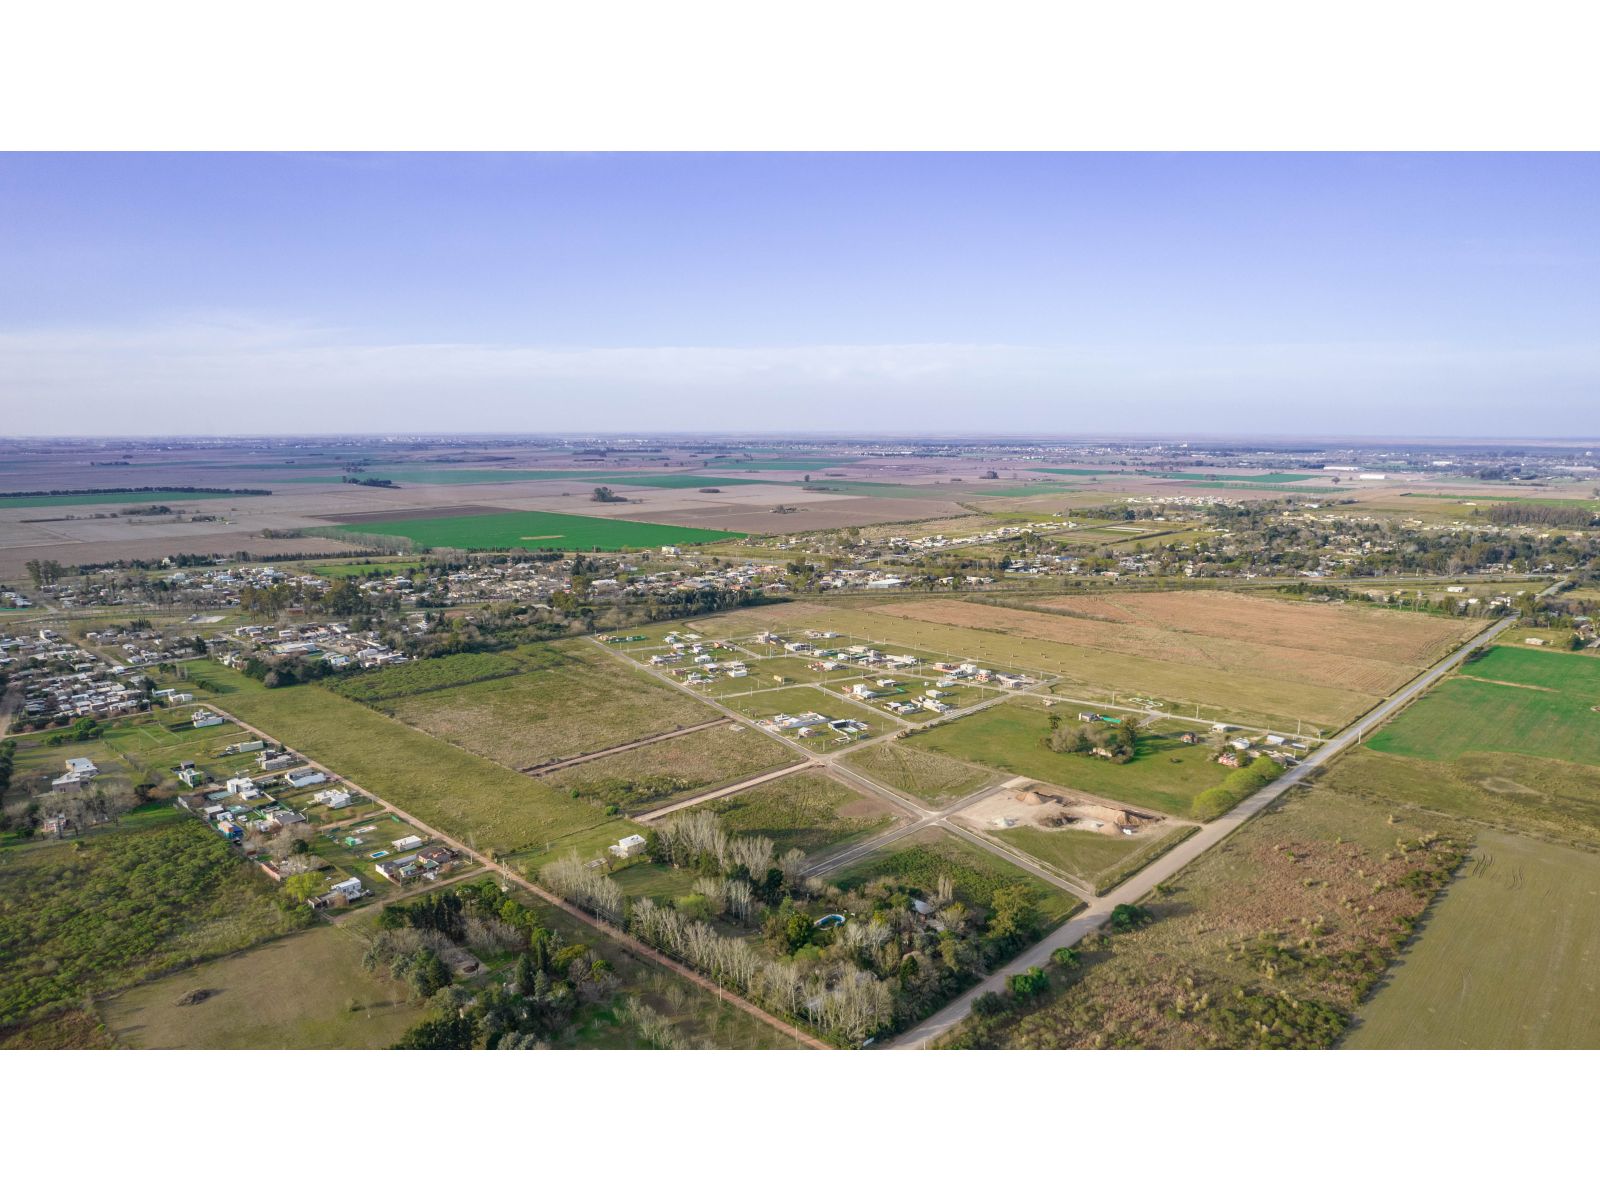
990	1004
1127	917
1246	781
1030	984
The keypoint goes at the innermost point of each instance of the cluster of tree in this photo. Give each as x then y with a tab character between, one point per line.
1567	516
277	670
551	979
604	495
44	571
368	481
8	754
84	729
1117	741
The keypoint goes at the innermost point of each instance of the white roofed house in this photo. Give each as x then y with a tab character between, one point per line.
627	847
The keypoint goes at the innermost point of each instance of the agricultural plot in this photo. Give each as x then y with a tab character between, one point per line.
1508	960
935	779
648	777
921	859
1495	710
805	811
536	531
1165	774
64	499
572	698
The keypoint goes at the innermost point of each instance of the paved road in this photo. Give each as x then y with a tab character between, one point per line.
1135	888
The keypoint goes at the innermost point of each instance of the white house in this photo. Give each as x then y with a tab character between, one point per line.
333	798
409	842
204	720
628	846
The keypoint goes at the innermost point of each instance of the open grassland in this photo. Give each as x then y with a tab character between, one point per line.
425	675
305	992
1463	715
935	779
347	570
1540	796
921	859
77	920
1099	860
650	776
805	811
1573	675
1218	687
1369	676
536	531
126	498
1272	939
1164	774
1509	959
443	785
572	698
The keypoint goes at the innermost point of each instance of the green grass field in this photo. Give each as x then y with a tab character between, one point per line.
425	675
573	698
535	531
1165	775
1100	861
441	476
805	811
920	859
125	498
675	482
1536	703
388	566
651	776
443	785
1509	959
933	778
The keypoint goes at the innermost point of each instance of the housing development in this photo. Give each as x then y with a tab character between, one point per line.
698	742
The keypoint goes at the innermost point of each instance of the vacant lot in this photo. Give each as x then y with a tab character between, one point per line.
650	776
921	859
572	698
1165	774
805	811
443	785
425	675
1574	675
537	530
1465	714
306	992
1097	859
933	778
1509	960
1269	940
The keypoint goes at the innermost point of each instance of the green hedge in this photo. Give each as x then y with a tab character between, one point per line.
1215	801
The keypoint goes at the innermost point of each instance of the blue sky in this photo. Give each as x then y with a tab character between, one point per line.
1058	294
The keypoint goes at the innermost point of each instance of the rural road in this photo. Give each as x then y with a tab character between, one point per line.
1098	911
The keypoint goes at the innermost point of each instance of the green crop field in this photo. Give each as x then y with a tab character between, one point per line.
573	698
82	498
935	779
805	811
443	476
641	479
1508	960
779	464
921	859
1499	707
1165	775
536	531
1269	477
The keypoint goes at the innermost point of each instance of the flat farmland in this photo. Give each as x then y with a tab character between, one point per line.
1574	675
1165	774
1509	960
1098	860
1465	714
571	699
650	776
64	499
805	811
536	530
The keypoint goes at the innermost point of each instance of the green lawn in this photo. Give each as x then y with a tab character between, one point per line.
805	811
1508	960
1560	671
1466	714
535	531
1165	775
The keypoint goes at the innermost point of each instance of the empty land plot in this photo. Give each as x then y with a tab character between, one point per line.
1360	632
535	530
1165	774
650	776
425	675
1372	676
305	992
443	785
1100	860
573	698
1573	675
935	779
1089	673
921	859
1540	796
1463	714
805	811
1508	960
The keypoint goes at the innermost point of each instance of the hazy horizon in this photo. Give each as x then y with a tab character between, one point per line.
1044	295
